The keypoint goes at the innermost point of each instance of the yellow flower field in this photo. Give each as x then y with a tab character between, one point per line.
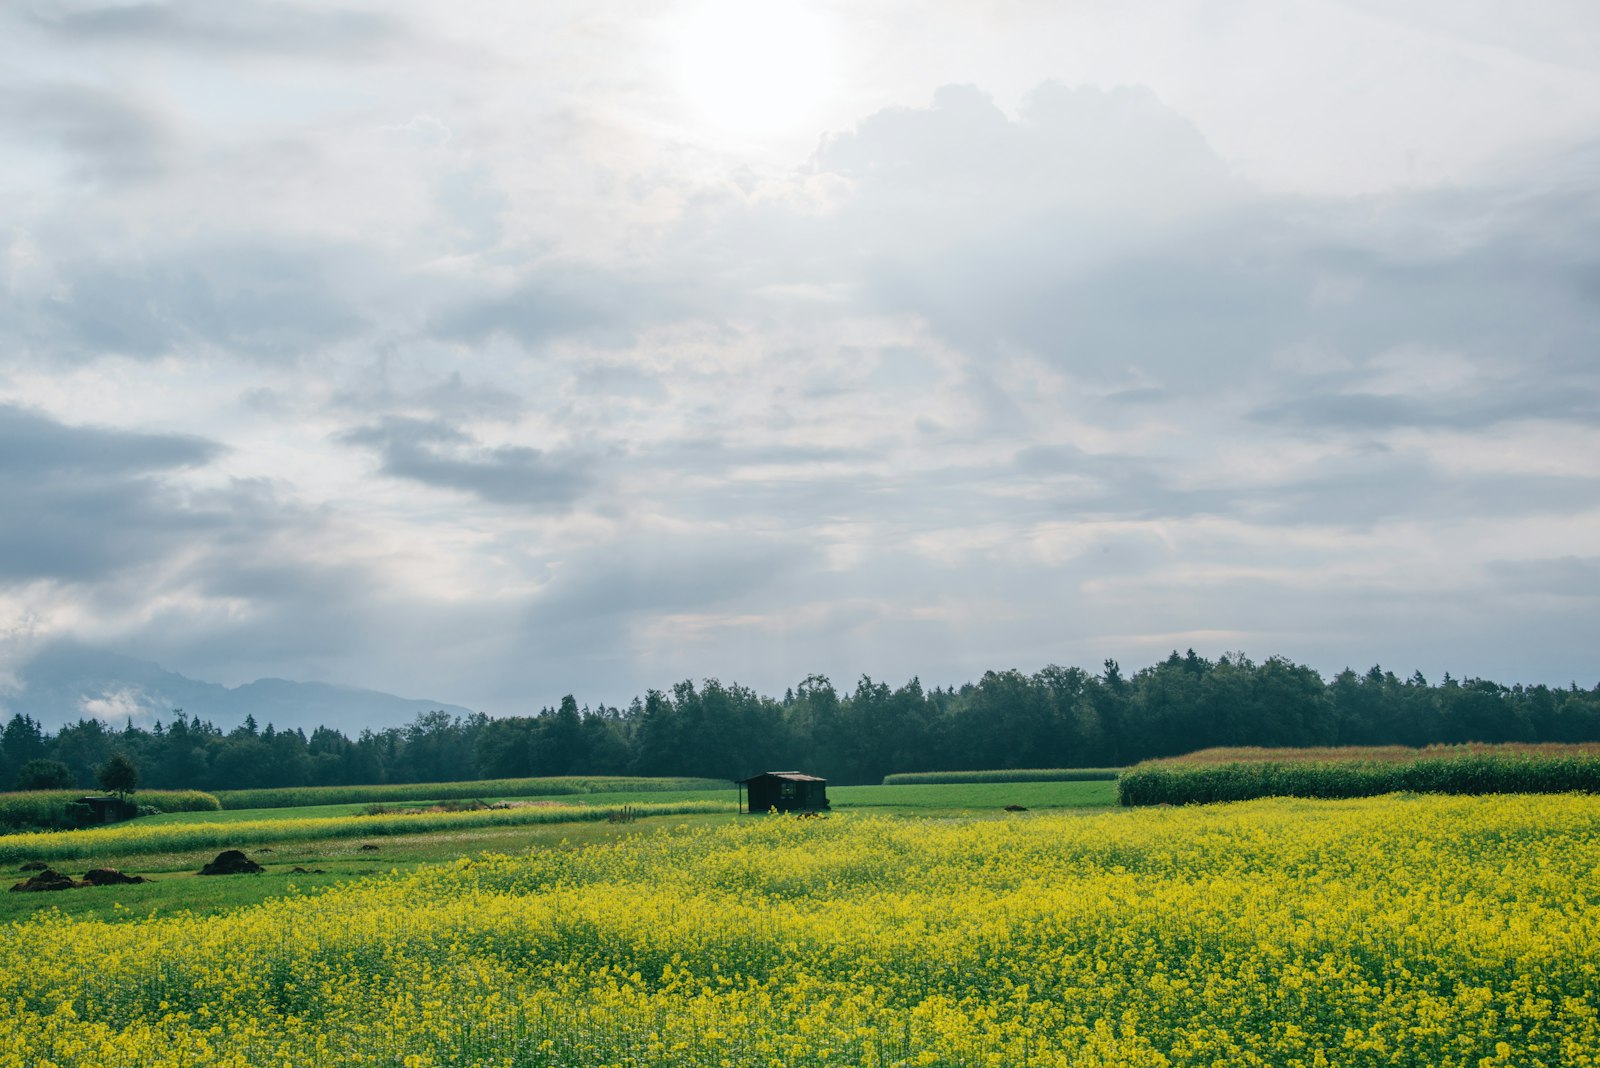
1388	931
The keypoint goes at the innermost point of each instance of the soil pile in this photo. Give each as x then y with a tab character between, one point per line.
34	865
49	879
231	862
111	877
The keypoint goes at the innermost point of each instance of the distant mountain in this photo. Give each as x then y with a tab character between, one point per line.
67	682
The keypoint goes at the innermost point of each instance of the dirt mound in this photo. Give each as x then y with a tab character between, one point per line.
231	862
33	865
111	877
368	847
48	879
298	870
1016	808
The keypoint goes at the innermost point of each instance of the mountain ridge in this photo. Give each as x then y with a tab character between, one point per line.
65	682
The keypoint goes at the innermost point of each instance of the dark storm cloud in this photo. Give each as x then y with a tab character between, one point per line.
256	299
239	26
83	502
436	454
108	137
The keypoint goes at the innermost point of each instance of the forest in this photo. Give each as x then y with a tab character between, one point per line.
1056	717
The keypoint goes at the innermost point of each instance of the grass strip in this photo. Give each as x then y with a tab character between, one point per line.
927	778
547	786
135	838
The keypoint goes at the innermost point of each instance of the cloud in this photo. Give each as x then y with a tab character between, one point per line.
33	444
241	26
1098	231
254	298
973	385
1118	152
108	137
553	301
118	706
450	398
436	454
1564	576
84	503
1358	411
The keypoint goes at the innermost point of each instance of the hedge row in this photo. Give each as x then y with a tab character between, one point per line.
554	786
925	778
33	810
1198	784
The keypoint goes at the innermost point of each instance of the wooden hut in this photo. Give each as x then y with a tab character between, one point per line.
92	811
785	791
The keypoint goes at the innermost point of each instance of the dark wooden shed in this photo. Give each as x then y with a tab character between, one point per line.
785	791
89	811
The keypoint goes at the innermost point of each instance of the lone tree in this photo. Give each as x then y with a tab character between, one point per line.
45	775
119	775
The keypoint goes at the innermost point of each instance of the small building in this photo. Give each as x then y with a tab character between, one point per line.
785	791
92	811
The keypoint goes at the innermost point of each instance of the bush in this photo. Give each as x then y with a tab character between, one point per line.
118	775
45	775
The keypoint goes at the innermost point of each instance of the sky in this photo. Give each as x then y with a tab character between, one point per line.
500	351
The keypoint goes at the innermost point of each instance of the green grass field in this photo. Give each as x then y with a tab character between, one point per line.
913	778
174	886
973	797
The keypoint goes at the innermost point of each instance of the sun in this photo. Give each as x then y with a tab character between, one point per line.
752	67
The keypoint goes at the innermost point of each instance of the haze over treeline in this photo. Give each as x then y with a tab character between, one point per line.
1056	717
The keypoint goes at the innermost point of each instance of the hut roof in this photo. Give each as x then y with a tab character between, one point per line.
795	776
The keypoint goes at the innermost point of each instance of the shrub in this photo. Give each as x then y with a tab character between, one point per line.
118	775
45	775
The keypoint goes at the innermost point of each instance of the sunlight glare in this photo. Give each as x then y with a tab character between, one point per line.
754	66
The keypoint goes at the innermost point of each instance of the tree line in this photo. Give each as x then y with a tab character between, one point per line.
1056	717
